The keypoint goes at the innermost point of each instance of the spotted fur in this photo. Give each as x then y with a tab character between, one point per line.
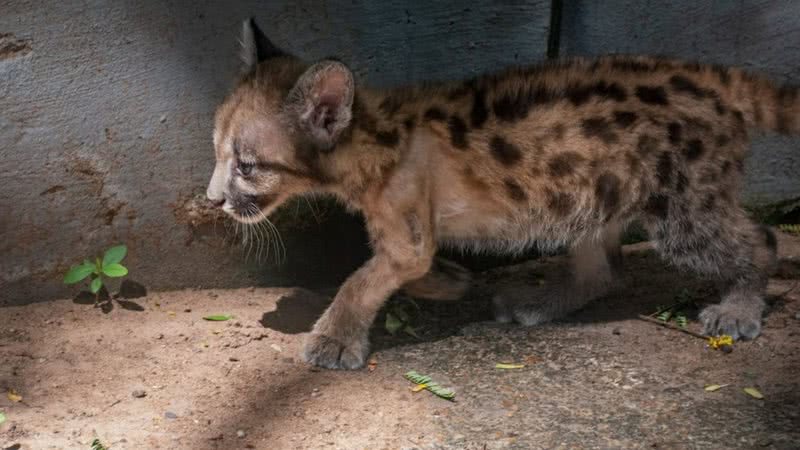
563	153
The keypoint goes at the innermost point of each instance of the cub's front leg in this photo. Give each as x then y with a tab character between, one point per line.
340	338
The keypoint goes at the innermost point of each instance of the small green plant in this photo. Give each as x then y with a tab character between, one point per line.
97	445
108	266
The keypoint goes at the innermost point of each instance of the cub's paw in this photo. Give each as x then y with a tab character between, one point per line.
325	351
737	321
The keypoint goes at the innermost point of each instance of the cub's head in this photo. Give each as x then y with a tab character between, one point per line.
272	132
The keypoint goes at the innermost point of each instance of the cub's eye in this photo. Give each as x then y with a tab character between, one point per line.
245	168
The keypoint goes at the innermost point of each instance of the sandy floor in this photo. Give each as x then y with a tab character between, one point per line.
151	373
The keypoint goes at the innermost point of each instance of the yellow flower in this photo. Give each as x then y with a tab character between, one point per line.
720	341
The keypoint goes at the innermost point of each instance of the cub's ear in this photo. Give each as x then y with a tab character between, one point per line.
255	46
321	102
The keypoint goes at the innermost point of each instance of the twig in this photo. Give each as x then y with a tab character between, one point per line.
672	326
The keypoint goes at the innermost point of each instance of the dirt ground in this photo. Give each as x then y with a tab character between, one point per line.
152	374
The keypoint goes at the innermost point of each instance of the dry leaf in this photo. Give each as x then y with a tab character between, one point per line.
14	396
508	366
753	392
418	387
372	364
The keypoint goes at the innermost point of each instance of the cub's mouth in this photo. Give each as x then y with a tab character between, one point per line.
250	208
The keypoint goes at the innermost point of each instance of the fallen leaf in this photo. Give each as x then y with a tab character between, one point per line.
424	382
171	313
508	366
13	396
753	392
714	387
372	364
218	318
2	418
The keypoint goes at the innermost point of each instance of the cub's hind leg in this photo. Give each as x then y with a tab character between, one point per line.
594	264
727	246
445	280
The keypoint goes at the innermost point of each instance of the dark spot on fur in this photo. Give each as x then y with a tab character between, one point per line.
435	114
563	164
719	107
652	95
739	117
600	128
515	106
624	118
683	182
391	104
515	191
785	99
693	150
458	132
480	112
722	140
580	94
558	131
657	205
505	152
769	238
559	203
410	122
726	167
664	168
646	144
682	84
723	74
607	193
387	138
674	130
709	202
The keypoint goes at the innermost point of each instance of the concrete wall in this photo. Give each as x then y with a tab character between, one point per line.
762	35
106	110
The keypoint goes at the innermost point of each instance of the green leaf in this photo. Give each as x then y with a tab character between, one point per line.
115	270
753	392
393	323
96	284
78	273
411	331
114	255
425	382
681	320
2	417
508	366
218	318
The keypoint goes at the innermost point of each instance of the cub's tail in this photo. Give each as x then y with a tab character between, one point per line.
765	105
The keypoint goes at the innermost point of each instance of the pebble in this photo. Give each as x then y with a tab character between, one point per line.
240	433
163	118
233	358
616	331
139	393
187	310
170	415
276	347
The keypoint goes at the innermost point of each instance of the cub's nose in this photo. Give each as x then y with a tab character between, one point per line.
216	201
